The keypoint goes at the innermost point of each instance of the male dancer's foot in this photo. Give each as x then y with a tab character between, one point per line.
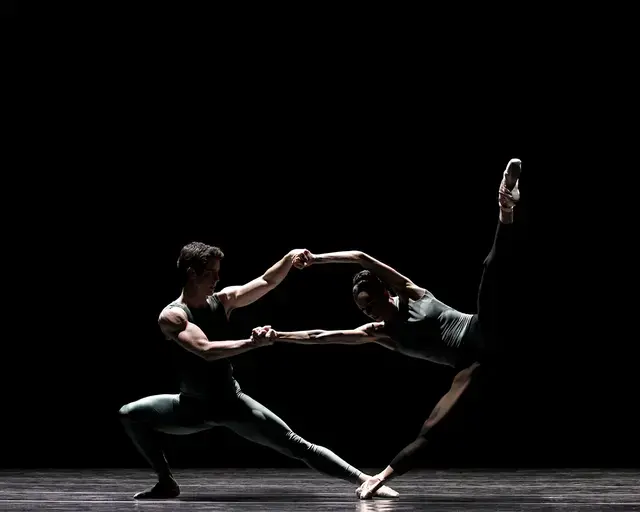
509	194
383	491
166	488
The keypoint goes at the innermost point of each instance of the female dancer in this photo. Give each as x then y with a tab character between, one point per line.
415	323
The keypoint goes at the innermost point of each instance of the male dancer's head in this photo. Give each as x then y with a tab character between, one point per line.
372	297
199	267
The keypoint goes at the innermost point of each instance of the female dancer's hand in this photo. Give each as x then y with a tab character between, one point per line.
303	259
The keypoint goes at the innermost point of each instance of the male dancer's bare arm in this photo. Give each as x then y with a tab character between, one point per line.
389	275
403	462
175	325
233	297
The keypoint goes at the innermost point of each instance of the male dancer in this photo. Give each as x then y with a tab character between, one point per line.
198	322
415	323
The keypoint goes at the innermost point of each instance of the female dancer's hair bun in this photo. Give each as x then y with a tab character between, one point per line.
363	275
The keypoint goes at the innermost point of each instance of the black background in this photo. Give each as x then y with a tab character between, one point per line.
138	155
561	403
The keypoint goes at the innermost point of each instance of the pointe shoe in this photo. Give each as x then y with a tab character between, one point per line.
509	193
386	492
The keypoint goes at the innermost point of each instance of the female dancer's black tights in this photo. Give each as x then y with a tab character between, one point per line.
497	294
496	313
180	414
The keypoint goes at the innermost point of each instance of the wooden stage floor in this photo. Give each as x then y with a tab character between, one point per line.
287	490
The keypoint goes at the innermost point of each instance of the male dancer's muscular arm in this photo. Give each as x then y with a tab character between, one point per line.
175	325
404	461
239	296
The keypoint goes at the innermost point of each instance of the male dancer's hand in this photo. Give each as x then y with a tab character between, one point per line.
303	258
263	335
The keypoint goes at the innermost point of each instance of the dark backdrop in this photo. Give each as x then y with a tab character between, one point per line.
109	268
408	174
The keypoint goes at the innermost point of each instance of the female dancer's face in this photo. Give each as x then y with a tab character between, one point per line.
377	306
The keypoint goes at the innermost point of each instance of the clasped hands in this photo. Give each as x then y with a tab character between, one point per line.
302	258
264	335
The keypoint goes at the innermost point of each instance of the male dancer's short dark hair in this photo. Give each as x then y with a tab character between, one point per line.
196	255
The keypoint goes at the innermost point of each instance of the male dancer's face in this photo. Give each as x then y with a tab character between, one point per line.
206	282
377	306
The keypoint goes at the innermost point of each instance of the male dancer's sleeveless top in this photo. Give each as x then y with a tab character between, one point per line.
197	376
429	329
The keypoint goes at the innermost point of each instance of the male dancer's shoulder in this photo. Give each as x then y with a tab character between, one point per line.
171	313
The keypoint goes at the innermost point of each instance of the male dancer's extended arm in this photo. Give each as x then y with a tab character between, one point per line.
176	326
233	297
404	461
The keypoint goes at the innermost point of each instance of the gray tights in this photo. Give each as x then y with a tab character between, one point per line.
180	414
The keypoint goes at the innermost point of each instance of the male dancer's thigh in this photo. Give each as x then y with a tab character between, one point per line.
252	420
171	414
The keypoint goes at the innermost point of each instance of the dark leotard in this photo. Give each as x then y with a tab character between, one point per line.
429	329
200	378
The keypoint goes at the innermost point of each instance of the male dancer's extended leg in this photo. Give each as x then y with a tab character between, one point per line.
496	301
144	419
255	422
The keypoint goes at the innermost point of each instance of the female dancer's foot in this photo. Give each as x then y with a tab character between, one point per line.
381	492
509	194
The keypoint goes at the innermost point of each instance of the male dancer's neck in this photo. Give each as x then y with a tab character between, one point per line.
192	298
